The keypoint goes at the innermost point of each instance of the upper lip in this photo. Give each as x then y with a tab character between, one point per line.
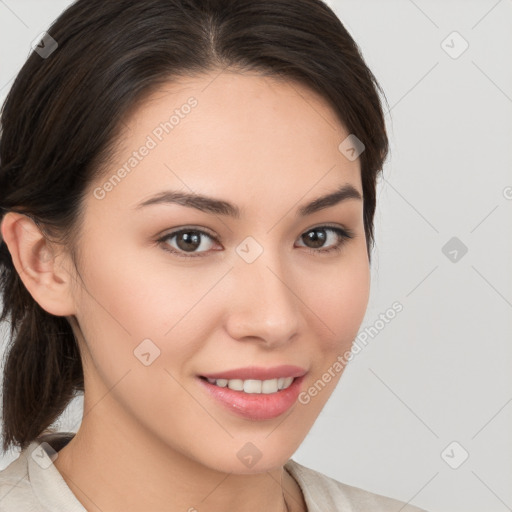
258	373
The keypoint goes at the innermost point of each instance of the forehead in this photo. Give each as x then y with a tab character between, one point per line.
243	105
227	134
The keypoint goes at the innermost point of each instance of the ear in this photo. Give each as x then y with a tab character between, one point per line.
43	271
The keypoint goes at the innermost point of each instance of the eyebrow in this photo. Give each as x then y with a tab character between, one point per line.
219	207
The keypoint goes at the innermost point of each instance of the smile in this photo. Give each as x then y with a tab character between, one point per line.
254	393
254	386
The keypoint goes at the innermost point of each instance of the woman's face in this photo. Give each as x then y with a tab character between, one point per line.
256	290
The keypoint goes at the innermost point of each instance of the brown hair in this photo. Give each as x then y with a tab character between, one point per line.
62	115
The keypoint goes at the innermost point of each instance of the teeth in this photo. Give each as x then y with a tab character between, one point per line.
269	386
253	386
236	384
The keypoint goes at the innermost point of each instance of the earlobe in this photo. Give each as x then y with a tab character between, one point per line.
37	264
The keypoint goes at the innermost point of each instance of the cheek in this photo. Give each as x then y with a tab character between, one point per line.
130	301
340	301
339	309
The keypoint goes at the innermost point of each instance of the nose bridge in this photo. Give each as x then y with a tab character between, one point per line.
264	304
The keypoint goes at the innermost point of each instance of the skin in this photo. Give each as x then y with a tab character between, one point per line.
151	438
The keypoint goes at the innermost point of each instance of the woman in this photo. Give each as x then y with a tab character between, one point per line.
187	195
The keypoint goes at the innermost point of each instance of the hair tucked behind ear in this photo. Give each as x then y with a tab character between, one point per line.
43	371
43	368
61	122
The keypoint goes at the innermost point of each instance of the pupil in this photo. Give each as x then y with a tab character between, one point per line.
318	241
191	241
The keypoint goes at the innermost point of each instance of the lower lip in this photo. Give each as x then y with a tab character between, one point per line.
255	406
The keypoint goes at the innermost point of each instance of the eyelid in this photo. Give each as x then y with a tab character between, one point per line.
339	226
174	231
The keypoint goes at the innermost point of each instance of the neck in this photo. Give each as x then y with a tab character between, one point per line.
124	469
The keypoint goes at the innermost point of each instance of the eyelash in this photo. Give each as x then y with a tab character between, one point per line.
343	234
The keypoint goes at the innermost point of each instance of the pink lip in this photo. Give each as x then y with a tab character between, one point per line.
255	406
258	373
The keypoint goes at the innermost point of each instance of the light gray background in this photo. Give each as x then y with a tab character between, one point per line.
440	370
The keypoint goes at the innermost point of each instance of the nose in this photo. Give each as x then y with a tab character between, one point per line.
263	305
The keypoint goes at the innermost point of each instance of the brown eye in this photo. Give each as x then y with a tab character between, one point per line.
193	243
316	238
187	241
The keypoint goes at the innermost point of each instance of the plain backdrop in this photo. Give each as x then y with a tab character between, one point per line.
423	412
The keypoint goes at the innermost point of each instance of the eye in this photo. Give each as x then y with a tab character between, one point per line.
187	240
319	235
191	243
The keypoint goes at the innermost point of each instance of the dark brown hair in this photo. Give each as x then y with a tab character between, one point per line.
64	111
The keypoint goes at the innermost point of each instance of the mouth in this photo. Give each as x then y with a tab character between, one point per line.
255	393
253	386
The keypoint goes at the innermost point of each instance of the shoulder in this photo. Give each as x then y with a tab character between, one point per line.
16	493
31	483
323	493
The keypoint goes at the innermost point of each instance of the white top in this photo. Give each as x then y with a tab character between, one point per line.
32	483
